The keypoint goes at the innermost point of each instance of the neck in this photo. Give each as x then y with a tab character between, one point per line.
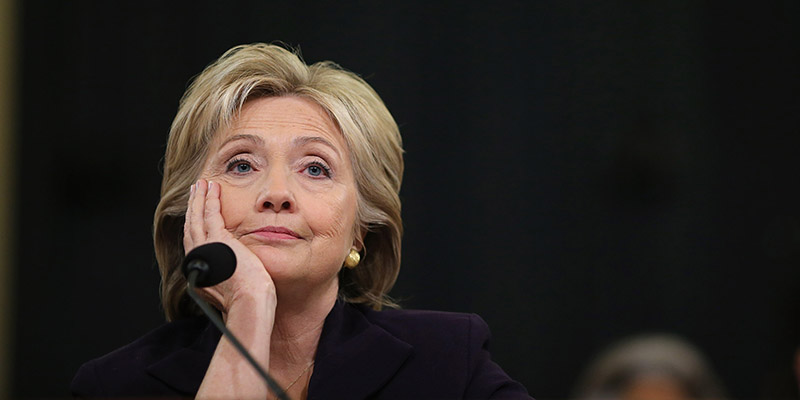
298	325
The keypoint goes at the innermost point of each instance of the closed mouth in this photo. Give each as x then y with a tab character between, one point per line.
276	232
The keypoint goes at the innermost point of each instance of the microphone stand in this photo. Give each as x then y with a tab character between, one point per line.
212	315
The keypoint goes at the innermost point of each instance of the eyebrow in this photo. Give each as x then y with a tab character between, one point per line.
250	138
302	140
296	142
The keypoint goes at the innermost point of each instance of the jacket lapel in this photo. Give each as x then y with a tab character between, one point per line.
355	358
184	369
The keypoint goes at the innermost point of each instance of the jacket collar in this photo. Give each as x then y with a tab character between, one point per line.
184	368
355	357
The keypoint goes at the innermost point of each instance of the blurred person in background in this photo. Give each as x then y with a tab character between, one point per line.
649	367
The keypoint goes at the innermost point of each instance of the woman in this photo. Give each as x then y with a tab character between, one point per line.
298	169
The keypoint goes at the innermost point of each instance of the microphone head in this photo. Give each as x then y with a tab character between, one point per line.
215	262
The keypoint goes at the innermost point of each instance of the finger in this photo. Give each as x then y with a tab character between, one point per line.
197	225
215	224
188	243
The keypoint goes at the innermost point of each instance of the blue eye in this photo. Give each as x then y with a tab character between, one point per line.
240	166
317	170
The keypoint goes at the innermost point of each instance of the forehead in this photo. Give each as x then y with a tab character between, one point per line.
272	117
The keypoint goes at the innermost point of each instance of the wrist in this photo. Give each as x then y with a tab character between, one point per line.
253	306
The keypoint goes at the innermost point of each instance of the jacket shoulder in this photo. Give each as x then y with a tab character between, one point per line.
124	370
425	325
442	341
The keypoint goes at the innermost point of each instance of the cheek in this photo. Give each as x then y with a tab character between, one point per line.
233	206
334	218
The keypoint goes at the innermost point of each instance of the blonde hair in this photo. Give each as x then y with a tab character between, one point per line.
213	100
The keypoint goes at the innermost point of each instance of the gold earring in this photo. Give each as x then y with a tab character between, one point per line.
352	259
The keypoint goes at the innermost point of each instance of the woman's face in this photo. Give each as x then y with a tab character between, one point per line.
287	189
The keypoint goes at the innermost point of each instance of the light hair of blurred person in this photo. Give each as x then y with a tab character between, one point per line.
649	367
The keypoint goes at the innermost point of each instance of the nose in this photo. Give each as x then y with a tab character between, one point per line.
276	194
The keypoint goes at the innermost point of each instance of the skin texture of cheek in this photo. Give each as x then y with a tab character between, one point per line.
333	219
333	229
231	201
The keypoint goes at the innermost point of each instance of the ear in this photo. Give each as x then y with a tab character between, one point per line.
358	239
358	244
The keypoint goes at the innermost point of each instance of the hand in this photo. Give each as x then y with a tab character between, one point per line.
204	224
247	301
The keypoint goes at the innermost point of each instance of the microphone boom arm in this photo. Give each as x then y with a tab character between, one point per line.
217	321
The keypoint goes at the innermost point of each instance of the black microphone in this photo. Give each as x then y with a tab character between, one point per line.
202	258
208	265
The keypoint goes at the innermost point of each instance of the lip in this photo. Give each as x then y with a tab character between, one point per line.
276	233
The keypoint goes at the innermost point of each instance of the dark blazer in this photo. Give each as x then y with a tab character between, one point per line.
391	354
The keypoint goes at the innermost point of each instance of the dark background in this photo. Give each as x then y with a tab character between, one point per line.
576	171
